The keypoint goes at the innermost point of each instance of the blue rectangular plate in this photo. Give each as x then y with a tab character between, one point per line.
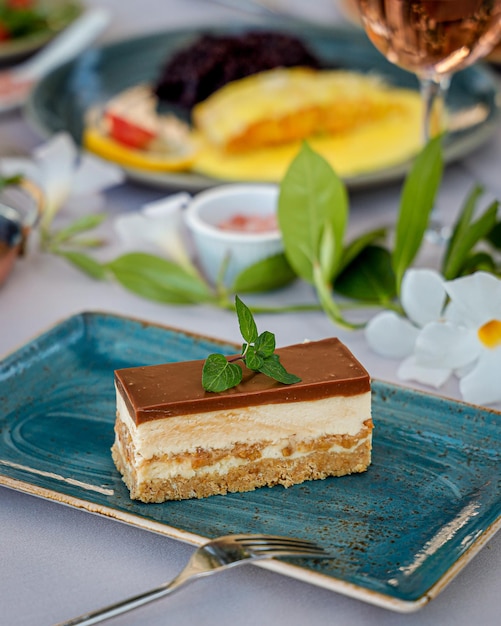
401	531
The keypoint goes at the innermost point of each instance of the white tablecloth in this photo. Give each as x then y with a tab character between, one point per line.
58	562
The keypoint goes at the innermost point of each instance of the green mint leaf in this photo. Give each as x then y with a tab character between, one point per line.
253	360
266	275
416	203
158	279
246	321
265	344
218	374
311	196
84	263
274	369
369	277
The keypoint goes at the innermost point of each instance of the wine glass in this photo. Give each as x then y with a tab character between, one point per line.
433	39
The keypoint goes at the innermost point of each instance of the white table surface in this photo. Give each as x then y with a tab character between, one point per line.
57	562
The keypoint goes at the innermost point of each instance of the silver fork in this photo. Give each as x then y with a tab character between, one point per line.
213	556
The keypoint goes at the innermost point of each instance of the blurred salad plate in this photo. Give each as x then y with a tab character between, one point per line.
17	82
27	25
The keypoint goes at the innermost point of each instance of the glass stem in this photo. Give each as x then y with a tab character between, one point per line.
433	92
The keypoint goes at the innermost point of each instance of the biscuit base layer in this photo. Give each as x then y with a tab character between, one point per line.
319	463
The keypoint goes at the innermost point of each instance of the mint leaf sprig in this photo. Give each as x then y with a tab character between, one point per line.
258	354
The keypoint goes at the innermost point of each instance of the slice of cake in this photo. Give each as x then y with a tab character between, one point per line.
174	440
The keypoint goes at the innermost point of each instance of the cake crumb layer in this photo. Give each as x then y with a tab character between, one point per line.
247	477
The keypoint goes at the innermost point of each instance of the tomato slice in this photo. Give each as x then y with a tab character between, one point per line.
127	133
4	32
112	150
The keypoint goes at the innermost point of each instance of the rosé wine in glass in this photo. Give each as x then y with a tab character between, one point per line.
433	39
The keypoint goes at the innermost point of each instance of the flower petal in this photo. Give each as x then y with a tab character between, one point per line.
410	369
57	162
135	231
423	295
94	175
390	335
446	345
159	225
482	385
476	298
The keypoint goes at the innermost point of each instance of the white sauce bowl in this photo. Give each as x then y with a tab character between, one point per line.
213	244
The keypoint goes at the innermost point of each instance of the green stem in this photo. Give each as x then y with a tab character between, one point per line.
291	308
324	293
45	240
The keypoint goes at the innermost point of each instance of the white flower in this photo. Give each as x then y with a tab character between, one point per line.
63	174
423	297
158	228
464	338
468	340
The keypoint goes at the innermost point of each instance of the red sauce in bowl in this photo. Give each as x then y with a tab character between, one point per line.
249	223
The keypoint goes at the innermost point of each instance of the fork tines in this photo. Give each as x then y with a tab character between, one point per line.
277	543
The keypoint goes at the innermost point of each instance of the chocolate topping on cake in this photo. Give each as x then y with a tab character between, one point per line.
326	368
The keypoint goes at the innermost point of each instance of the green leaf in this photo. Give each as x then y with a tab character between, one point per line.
266	275
416	203
84	263
369	277
478	262
10	180
462	223
246	321
312	196
258	354
327	256
274	369
88	222
159	279
253	360
355	247
467	234
494	237
265	344
87	242
218	374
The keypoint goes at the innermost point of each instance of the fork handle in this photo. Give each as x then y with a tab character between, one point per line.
129	604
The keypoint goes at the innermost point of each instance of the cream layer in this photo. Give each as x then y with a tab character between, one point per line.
273	423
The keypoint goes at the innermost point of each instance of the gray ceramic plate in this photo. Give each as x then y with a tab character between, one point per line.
401	531
61	99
